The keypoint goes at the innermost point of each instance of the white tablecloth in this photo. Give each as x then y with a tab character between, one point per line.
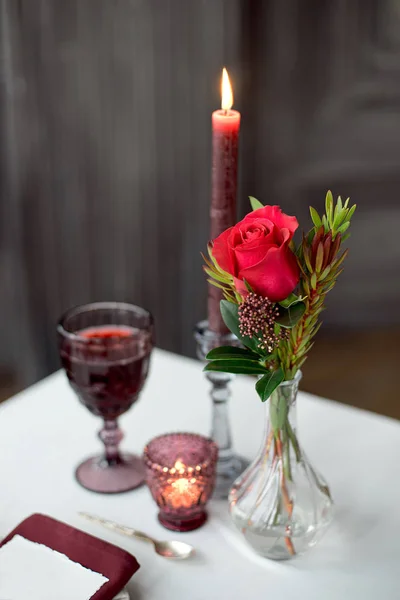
45	432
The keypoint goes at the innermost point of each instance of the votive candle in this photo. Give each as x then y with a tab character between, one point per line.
180	473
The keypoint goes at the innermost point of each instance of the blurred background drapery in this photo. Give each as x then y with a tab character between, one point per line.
105	110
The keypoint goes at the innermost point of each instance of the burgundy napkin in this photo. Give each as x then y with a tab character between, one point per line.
95	554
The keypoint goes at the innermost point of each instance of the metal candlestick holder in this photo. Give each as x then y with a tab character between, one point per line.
229	465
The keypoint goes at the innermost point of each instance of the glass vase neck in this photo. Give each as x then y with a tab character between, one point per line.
290	383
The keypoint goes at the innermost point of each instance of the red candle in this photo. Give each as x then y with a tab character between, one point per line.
225	135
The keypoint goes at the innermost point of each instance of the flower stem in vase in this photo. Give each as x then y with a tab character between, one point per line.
288	503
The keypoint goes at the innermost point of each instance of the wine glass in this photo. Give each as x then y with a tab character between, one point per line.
105	350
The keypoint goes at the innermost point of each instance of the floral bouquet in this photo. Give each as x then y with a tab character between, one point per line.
274	292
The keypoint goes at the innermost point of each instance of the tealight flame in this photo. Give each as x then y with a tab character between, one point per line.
179	465
226	91
181	485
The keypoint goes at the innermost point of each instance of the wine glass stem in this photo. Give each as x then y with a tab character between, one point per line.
111	436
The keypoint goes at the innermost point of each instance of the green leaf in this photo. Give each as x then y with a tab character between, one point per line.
303	344
319	258
291	299
340	260
344	227
307	260
310	236
248	286
238	366
230	353
229	312
288	317
301	362
311	320
329	206
325	273
346	203
351	212
313	281
337	210
339	218
217	276
208	263
316	219
255	204
218	285
330	287
317	328
268	383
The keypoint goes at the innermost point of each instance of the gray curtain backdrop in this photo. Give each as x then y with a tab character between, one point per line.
105	109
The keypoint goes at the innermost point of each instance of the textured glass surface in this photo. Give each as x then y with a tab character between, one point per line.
281	504
180	472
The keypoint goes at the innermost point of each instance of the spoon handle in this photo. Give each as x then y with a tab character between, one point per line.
129	531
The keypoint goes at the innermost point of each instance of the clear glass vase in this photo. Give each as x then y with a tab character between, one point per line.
280	503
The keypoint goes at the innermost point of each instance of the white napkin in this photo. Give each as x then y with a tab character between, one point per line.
31	570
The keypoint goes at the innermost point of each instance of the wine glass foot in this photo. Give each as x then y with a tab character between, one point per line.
227	472
96	475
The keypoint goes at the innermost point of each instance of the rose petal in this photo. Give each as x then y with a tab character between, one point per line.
250	254
275	276
265	228
275	215
254	233
286	235
222	251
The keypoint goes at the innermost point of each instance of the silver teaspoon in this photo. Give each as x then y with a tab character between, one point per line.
171	549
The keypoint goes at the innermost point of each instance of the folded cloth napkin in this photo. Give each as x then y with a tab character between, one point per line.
44	552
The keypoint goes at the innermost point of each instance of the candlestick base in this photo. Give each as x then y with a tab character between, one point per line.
229	464
227	473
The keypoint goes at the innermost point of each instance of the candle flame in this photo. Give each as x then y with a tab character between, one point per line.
179	465
226	91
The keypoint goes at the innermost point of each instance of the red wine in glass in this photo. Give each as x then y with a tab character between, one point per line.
105	350
110	368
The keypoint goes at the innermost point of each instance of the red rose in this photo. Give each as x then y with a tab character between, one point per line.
257	250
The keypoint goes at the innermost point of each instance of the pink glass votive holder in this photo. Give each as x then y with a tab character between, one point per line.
180	472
